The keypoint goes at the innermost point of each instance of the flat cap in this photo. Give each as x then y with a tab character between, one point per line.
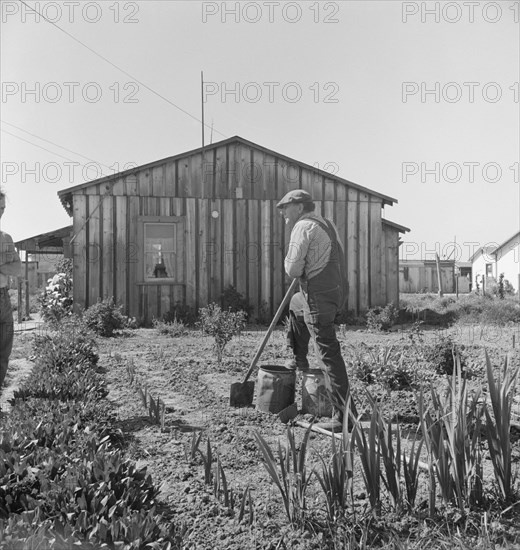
296	195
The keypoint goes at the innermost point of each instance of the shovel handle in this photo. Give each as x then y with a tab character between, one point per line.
270	329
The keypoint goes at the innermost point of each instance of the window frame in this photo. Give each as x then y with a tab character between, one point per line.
142	222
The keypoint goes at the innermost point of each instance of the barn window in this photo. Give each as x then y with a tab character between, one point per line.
159	251
489	270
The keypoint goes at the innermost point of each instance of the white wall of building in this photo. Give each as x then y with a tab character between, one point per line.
508	261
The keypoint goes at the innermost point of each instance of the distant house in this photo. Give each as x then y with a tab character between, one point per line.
40	255
488	262
182	229
421	276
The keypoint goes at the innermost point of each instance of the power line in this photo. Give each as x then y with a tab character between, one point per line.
48	150
118	68
51	142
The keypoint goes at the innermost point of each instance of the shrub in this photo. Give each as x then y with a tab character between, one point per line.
441	355
348	317
105	317
56	300
392	369
222	325
182	314
234	301
399	374
500	312
381	318
173	329
360	362
502	288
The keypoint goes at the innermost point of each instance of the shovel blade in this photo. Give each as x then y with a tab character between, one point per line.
241	394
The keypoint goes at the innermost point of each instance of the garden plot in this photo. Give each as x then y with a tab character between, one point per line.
200	440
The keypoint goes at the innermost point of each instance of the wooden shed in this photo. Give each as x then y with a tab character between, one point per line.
182	229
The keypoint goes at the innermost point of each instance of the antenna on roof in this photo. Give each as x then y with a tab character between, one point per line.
202	105
211	135
202	108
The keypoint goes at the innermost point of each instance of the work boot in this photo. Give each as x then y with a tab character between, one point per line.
297	364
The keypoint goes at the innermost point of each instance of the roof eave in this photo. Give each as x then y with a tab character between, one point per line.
66	194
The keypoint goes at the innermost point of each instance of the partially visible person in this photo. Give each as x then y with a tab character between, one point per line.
10	266
315	257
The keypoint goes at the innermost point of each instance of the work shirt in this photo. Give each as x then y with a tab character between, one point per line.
309	247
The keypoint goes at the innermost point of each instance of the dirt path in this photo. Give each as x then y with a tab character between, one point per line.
17	371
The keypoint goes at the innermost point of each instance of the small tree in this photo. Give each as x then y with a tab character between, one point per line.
222	325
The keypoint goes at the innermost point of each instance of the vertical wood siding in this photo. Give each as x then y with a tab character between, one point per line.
231	233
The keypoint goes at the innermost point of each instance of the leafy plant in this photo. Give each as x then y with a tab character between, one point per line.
130	369
391	458
336	477
370	456
234	301
173	328
207	459
453	436
56	300
157	411
143	394
411	470
381	318
62	484
220	486
70	346
441	354
291	484
104	317
222	325
498	425
246	502
194	447
181	313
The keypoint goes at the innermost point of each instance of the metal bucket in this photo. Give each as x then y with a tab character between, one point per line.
275	388
315	397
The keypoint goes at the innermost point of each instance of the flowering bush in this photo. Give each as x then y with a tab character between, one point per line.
56	300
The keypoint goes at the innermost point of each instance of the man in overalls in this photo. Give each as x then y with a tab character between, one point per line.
315	256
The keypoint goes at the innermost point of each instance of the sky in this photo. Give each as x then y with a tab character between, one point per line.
415	100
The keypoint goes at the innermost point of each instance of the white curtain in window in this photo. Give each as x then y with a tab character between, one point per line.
159	242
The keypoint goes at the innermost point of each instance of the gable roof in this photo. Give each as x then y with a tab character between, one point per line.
65	195
513	237
487	250
494	250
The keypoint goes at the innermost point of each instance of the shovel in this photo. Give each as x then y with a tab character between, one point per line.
241	394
